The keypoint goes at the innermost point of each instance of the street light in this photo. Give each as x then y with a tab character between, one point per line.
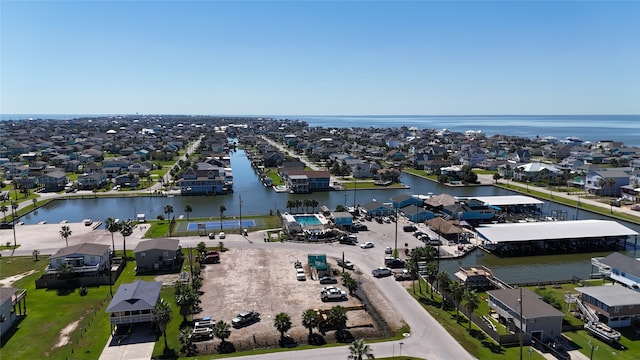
401	343
395	205
593	348
521	317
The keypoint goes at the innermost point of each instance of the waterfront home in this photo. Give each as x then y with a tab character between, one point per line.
158	255
623	269
13	306
342	218
615	305
607	181
205	179
304	181
374	208
522	310
134	303
87	259
53	180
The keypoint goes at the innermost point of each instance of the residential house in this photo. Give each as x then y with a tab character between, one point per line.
13	306
374	208
522	156
134	303
158	255
129	180
93	180
607	181
54	180
522	310
307	180
205	179
536	170
87	259
623	269
395	155
615	305
342	218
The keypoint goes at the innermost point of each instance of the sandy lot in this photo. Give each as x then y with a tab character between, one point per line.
264	280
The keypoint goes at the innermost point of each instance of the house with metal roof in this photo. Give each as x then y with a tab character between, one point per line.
623	269
615	305
87	259
158	255
522	310
134	302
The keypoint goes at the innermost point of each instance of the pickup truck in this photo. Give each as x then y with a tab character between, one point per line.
345	264
403	275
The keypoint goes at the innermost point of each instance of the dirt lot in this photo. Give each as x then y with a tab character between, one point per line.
264	280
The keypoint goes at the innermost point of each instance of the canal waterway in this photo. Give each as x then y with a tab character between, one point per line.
252	198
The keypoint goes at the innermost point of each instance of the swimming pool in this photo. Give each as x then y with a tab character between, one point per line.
307	220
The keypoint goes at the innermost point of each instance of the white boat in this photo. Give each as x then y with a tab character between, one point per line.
87	222
602	331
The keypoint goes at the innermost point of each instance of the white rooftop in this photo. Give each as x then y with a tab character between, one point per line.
612	295
550	230
508	200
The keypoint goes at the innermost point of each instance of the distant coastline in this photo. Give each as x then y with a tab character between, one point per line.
624	128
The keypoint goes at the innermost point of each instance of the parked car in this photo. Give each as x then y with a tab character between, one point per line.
212	257
349	239
409	228
359	227
221	235
300	276
6	225
333	294
418	233
394	263
366	245
328	280
388	250
245	318
212	235
381	272
403	275
345	264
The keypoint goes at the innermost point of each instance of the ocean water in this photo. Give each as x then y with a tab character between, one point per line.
625	128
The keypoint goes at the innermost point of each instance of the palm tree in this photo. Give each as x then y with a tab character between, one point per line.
65	232
314	204
4	210
184	336
34	201
222	209
282	323
610	182
457	292
126	229
310	320
417	255
472	302
222	330
443	283
359	349
291	204
306	203
112	226
298	204
337	317
349	282
168	209
186	299
601	183
188	209
162	315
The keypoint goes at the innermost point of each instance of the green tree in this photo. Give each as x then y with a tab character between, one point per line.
282	323
306	203
186	299
222	330
443	284
126	229
65	232
310	320
162	316
457	292
188	209
4	210
112	226
222	209
349	282
337	317
314	204
496	177
359	349
290	205
168	209
472	302
184	336
64	271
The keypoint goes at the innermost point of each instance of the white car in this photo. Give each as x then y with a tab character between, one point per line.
388	250
221	235
300	274
366	245
381	272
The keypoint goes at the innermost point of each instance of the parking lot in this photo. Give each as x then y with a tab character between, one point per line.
264	280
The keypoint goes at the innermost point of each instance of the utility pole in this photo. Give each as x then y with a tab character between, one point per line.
395	205
241	227
521	318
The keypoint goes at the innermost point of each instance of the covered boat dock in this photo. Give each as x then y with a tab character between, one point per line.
554	237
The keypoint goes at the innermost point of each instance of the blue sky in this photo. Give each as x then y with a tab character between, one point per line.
320	57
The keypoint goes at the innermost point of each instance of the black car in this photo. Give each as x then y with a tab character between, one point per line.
345	264
409	228
328	280
359	227
6	225
245	318
394	263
